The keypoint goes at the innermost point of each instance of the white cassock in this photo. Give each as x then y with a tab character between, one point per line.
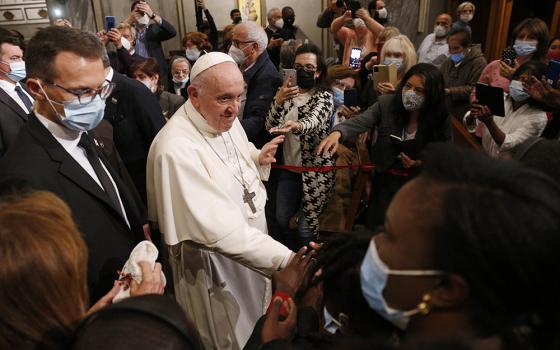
220	253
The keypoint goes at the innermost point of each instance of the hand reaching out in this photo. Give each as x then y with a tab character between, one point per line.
268	151
290	279
152	282
274	328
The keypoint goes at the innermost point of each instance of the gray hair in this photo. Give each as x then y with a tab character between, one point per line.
179	59
271	11
462	6
255	33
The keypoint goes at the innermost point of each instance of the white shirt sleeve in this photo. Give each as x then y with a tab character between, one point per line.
533	126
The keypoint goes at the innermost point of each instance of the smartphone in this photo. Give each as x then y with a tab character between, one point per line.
384	74
353	6
508	56
355	57
289	74
276	35
351	98
553	73
109	23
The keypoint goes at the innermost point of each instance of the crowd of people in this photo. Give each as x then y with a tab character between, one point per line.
211	189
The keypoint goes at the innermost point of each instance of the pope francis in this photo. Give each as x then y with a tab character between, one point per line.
205	191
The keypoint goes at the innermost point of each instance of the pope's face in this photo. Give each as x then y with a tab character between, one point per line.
220	99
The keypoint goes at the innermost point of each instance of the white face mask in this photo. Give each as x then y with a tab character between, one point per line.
144	20
358	23
192	53
382	13
125	43
237	54
279	24
373	277
147	83
440	31
465	17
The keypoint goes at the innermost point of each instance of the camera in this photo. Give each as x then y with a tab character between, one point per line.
353	6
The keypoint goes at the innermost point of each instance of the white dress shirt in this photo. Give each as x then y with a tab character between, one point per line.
433	51
10	89
518	126
69	140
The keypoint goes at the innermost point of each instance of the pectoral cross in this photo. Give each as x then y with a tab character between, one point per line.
248	198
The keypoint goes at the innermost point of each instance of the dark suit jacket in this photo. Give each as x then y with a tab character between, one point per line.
12	118
121	60
154	36
136	117
37	158
262	82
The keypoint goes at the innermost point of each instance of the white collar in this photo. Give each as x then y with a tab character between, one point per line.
68	138
110	75
8	86
198	120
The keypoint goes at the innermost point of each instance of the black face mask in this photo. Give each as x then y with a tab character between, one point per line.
237	20
305	79
289	21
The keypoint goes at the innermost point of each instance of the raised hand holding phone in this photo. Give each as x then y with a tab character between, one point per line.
286	91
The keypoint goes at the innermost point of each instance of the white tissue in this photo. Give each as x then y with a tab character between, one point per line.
144	251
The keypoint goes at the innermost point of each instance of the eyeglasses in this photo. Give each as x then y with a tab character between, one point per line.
237	42
306	67
179	72
87	95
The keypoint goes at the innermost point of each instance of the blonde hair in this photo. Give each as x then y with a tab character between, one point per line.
43	289
401	44
122	26
386	34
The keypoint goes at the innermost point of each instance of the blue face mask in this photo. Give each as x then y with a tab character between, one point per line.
374	275
516	91
525	48
80	117
338	96
457	57
181	82
393	60
17	70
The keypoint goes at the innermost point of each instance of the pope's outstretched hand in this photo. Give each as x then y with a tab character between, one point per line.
268	151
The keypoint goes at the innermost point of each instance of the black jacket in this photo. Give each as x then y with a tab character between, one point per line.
382	117
136	117
12	118
262	82
154	36
40	161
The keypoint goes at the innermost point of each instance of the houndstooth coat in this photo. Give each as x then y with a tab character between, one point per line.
315	117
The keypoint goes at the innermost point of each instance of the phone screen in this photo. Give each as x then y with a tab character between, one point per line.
109	22
355	56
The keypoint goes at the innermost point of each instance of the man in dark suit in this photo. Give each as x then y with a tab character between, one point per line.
262	80
136	117
54	152
15	101
149	36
